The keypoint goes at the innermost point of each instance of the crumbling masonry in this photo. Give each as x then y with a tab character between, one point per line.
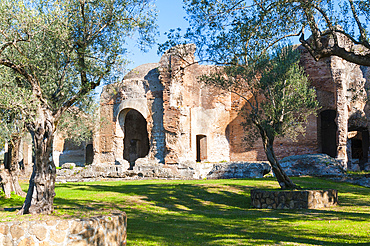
161	114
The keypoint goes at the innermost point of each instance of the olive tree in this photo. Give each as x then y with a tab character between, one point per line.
240	36
15	102
278	99
59	51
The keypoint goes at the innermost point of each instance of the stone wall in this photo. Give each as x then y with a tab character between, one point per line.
105	230
301	199
147	170
133	93
192	110
182	113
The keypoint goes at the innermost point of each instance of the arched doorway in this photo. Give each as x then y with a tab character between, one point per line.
136	141
328	132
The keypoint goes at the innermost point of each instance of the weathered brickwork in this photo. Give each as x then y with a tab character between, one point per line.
105	230
189	121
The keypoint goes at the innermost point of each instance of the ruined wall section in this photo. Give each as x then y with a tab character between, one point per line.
171	71
133	93
192	108
104	141
209	111
239	134
351	89
178	109
321	78
151	98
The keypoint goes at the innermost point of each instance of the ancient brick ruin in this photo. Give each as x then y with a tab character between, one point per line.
160	113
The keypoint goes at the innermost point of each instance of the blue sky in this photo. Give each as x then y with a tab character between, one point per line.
170	15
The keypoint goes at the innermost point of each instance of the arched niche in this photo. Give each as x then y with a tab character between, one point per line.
135	135
120	112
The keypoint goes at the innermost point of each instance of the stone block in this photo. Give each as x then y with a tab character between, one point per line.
27	242
78	243
76	227
16	231
46	244
88	233
39	231
51	222
58	236
105	230
4	229
99	238
122	162
63	225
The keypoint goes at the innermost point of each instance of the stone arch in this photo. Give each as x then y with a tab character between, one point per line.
136	139
120	112
139	104
133	138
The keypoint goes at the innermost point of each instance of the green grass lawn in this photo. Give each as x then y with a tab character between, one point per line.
213	212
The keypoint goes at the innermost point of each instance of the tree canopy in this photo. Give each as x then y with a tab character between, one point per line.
230	31
64	49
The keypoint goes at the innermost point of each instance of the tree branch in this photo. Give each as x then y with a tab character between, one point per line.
363	39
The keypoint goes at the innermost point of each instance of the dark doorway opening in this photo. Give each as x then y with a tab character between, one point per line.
357	149
201	148
360	146
89	154
136	141
328	133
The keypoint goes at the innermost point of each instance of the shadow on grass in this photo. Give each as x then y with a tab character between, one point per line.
215	212
219	213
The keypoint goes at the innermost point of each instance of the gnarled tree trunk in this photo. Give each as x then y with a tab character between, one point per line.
40	195
284	181
9	176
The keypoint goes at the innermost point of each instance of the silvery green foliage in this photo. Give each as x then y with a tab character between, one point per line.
278	99
239	31
71	46
58	52
277	94
81	121
54	52
17	106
